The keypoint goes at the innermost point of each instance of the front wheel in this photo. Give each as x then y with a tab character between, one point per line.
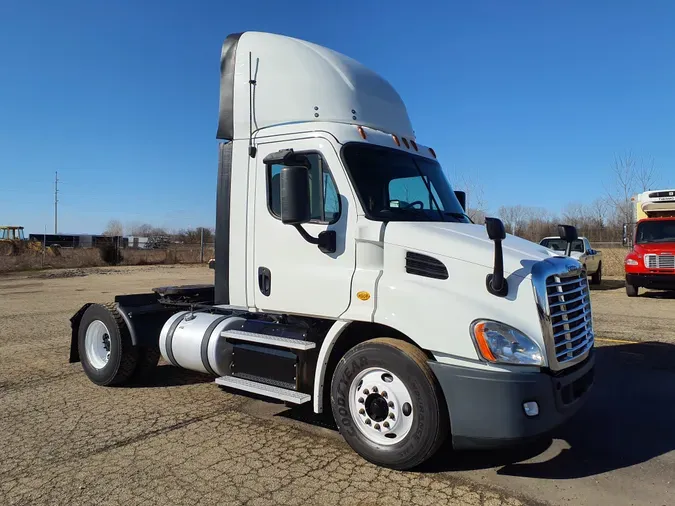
388	405
632	290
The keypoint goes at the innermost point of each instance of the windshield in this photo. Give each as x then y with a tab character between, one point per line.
561	245
655	231
393	185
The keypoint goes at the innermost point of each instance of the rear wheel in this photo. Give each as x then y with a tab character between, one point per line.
388	405
596	278
107	354
632	290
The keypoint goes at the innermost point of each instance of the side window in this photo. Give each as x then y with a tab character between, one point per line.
406	190
577	246
323	194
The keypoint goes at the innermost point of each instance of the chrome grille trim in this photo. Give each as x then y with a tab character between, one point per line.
661	261
581	346
564	306
583	315
568	301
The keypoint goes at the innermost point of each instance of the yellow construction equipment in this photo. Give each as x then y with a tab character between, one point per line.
11	233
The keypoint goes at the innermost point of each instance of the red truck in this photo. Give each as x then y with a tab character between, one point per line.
651	261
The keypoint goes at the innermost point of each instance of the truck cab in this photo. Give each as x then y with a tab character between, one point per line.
651	261
348	276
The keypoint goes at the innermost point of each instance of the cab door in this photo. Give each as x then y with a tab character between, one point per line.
290	274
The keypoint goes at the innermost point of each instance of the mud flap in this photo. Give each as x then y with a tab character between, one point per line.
75	327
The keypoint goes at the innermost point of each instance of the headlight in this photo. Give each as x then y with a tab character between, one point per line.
498	342
632	261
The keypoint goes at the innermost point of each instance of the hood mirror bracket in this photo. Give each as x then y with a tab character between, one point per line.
496	283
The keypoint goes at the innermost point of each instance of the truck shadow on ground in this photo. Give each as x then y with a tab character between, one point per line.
655	294
627	420
169	376
608	284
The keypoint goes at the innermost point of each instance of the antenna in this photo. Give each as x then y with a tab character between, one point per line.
251	83
56	203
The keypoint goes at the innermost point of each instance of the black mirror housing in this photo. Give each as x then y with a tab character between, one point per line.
568	233
461	196
495	229
294	185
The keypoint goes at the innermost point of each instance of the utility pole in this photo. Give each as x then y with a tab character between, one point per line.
56	203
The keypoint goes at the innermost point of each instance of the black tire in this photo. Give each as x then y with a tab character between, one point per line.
632	290
123	360
430	425
596	278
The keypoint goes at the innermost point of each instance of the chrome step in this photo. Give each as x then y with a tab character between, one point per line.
263	389
252	337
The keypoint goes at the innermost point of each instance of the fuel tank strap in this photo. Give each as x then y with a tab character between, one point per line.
169	339
205	344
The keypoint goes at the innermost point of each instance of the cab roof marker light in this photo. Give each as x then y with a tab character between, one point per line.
398	143
405	142
414	145
433	153
361	131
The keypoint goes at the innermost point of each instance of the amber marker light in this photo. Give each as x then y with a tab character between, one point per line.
479	333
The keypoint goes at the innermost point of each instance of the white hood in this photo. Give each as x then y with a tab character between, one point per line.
466	242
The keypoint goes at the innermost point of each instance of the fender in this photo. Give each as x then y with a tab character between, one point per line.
329	341
143	315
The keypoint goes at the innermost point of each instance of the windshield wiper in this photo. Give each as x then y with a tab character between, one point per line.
458	215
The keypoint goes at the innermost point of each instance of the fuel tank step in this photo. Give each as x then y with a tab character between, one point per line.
284	342
263	389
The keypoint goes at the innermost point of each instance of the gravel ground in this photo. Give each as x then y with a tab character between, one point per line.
182	440
649	317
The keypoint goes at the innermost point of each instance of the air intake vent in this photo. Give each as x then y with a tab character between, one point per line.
423	265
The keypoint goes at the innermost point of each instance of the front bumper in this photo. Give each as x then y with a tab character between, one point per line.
655	281
486	407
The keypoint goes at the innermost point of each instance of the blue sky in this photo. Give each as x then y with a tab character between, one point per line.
531	98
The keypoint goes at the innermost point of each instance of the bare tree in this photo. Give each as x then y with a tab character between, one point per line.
194	236
515	218
598	209
146	230
631	175
114	228
476	205
575	213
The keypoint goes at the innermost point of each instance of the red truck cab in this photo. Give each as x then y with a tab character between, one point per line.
651	261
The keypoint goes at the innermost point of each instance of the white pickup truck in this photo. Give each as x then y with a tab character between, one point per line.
582	251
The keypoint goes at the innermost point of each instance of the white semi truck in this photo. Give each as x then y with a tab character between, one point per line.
348	276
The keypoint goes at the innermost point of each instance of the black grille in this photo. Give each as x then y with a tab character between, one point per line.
423	265
570	308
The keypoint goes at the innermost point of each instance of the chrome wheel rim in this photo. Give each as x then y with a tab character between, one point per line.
97	344
381	406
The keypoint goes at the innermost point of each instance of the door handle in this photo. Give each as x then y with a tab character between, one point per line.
265	281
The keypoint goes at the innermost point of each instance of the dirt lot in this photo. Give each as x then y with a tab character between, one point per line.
182	440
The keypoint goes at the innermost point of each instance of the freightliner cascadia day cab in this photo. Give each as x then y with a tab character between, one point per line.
348	276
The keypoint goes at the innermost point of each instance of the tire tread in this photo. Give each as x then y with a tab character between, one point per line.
128	353
441	429
420	358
